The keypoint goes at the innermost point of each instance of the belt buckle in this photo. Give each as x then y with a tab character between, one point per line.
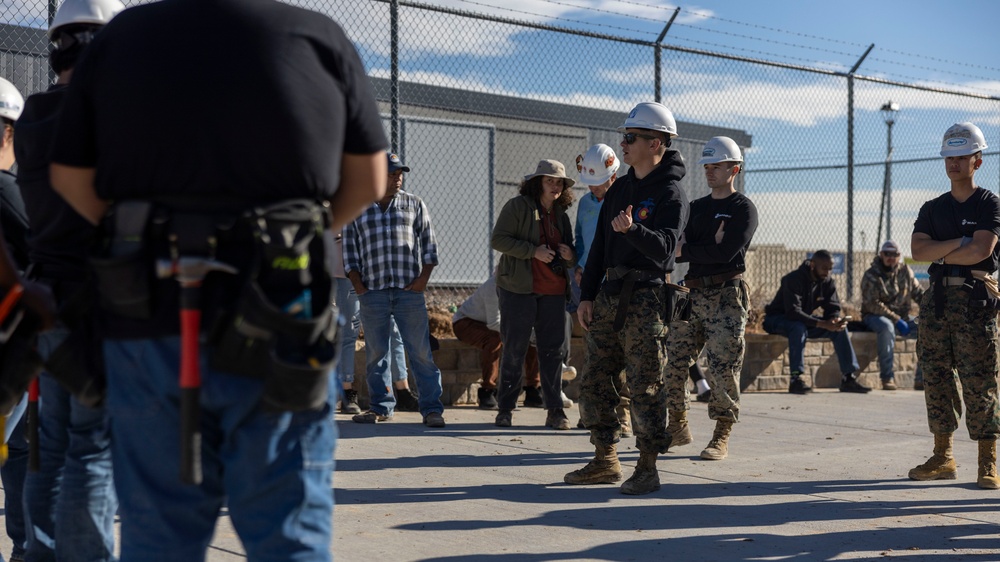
706	282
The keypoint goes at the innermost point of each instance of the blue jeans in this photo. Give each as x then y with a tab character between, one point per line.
350	310
885	333
407	308
272	470
70	502
12	474
797	334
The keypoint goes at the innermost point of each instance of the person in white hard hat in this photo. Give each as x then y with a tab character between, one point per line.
621	299
715	243
70	501
957	343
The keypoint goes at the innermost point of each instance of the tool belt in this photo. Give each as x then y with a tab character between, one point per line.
272	320
981	286
729	279
628	278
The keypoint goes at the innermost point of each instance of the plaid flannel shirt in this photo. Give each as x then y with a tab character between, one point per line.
389	248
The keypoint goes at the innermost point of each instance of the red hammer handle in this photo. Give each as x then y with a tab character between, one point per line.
190	386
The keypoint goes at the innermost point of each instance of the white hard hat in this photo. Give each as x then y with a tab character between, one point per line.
97	12
597	165
653	116
11	101
962	139
720	149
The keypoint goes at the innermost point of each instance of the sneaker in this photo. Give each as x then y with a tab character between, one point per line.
371	416
798	387
889	384
434	419
487	399
556	419
533	397
504	418
568	372
849	383
705	396
566	402
349	403
406	400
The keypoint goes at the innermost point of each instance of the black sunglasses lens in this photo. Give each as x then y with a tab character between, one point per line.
629	138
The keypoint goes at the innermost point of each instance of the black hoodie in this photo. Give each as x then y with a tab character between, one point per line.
60	238
659	214
800	294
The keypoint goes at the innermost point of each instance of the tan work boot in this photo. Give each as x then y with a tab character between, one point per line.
678	428
941	466
988	465
604	469
718	447
645	479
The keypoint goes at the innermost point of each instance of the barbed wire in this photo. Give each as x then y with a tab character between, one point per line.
556	18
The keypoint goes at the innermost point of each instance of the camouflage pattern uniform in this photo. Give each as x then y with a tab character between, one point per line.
717	324
957	345
964	338
659	213
639	347
720	303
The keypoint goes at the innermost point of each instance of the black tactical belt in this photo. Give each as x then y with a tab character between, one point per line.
730	279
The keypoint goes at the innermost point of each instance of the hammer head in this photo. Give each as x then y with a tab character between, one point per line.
191	269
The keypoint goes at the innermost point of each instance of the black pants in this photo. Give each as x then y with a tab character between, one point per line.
518	315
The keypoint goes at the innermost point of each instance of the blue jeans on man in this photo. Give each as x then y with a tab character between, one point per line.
12	475
885	333
409	311
797	333
271	470
350	310
70	502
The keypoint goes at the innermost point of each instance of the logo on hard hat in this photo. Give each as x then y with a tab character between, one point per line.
708	152
579	159
610	161
632	113
957	142
591	171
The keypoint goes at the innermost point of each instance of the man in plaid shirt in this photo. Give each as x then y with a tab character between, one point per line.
389	253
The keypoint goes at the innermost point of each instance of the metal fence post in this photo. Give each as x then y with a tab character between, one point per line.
657	54
394	75
850	173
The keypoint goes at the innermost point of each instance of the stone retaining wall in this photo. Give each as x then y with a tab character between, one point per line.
765	367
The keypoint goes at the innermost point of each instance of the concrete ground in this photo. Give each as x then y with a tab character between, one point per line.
818	477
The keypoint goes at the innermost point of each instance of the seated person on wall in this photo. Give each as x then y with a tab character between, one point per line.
790	314
477	323
888	290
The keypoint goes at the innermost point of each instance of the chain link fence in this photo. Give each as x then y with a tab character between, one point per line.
472	102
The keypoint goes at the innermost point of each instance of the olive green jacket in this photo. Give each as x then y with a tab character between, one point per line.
516	235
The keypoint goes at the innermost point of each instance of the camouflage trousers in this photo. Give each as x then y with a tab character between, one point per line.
638	349
958	357
717	324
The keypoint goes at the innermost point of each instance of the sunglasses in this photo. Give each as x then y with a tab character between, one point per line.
890	254
629	138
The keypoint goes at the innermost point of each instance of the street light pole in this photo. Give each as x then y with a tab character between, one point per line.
889	110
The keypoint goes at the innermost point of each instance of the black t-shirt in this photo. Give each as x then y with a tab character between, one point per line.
60	238
738	217
944	218
246	98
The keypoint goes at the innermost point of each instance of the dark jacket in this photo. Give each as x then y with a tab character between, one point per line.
659	214
13	220
800	295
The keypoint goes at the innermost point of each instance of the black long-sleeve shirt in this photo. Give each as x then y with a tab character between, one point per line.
659	214
738	217
800	294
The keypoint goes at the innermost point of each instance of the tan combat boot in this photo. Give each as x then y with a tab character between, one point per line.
678	428
645	479
604	469
988	465
941	466
718	447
